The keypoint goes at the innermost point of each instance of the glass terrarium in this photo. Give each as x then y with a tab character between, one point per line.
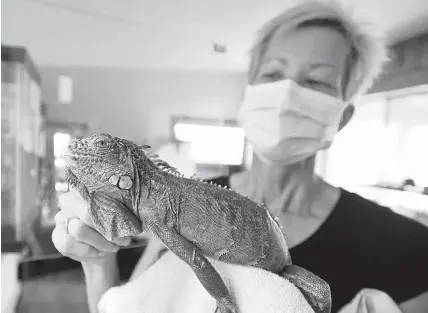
22	143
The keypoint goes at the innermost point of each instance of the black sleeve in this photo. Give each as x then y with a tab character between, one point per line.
397	248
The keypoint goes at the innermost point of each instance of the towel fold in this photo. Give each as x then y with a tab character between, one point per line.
170	286
371	301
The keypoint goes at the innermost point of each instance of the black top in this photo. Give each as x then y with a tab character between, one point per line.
364	245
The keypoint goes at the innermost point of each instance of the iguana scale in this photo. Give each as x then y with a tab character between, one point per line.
129	191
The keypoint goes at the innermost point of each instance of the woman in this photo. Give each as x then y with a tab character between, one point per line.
307	66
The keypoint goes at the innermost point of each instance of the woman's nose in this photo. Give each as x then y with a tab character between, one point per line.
295	73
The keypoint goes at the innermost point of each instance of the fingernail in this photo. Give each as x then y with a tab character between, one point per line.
122	241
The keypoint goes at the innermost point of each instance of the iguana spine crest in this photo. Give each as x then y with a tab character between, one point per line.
167	168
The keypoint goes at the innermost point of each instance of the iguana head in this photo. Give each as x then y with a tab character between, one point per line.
102	162
107	167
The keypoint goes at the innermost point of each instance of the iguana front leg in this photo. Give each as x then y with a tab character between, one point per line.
203	269
315	290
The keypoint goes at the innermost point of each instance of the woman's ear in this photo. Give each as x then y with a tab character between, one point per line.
346	116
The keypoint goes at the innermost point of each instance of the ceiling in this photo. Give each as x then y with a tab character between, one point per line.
167	34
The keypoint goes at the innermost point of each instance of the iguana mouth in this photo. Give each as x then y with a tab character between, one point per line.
76	156
123	182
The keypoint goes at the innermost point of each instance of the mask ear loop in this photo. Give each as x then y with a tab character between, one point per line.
346	85
347	75
352	81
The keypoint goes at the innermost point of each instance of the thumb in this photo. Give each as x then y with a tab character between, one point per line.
122	241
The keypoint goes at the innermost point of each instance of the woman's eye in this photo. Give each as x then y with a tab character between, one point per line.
273	75
316	83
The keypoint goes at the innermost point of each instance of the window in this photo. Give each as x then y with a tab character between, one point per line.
384	143
414	157
61	141
212	144
409	114
359	151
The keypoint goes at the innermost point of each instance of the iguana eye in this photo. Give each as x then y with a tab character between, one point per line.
101	143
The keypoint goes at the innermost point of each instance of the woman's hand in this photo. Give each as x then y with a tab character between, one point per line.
78	238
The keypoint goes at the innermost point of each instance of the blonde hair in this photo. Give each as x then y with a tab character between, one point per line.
368	49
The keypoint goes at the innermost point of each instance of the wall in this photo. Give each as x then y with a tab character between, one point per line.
409	66
136	104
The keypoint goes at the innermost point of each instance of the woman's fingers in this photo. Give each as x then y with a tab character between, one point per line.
70	247
83	233
73	204
67	245
122	241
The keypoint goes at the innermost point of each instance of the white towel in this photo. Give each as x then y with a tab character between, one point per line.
371	301
170	286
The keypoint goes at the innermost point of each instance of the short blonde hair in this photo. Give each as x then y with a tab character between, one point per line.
368	49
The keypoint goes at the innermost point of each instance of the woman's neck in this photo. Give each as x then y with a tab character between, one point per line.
292	189
273	178
299	198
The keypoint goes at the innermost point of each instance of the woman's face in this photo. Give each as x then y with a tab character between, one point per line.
313	57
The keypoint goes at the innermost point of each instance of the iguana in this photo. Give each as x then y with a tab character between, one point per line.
129	190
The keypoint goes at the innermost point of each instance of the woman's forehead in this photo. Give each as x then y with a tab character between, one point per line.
309	45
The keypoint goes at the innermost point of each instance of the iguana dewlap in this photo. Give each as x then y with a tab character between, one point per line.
128	191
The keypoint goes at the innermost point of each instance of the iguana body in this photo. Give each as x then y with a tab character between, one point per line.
129	191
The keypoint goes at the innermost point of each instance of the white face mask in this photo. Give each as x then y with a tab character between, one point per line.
287	123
